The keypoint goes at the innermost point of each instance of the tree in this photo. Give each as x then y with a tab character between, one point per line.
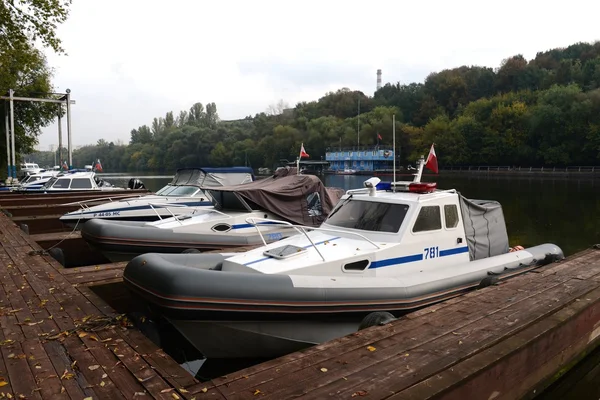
25	21
278	108
24	69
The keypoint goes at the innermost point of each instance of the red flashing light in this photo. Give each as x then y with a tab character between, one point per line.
422	187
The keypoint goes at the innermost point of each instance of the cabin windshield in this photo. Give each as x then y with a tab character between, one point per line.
50	183
171	190
368	215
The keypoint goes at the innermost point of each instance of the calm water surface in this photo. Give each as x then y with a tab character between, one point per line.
565	212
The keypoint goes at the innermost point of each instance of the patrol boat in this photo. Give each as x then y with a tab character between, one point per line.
385	249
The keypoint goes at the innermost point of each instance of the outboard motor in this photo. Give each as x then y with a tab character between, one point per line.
135	183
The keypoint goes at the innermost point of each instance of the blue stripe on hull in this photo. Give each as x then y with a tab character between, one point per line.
450	252
416	257
144	207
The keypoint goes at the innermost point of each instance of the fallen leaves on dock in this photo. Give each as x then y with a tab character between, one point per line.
360	393
371	348
67	375
91	323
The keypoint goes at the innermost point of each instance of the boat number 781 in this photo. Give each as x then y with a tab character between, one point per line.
431	252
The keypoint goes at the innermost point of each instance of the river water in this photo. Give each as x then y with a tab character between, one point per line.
537	210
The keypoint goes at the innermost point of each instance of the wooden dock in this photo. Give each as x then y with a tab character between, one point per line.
60	337
59	340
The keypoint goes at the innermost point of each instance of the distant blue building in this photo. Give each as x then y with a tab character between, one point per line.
363	159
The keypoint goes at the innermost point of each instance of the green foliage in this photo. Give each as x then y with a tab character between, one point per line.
22	22
23	68
543	112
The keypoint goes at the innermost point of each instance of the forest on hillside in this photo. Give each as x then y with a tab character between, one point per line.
541	112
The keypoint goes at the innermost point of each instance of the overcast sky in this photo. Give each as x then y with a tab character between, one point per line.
132	60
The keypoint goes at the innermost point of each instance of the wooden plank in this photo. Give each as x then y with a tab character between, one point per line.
170	371
19	374
143	377
93	268
517	357
77	387
362	368
33	288
56	236
42	368
97	277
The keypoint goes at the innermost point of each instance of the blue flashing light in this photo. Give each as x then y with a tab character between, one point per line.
384	186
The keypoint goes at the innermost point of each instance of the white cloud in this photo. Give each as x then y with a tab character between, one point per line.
131	61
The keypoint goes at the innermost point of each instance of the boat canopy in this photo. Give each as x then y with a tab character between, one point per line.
302	199
485	228
212	176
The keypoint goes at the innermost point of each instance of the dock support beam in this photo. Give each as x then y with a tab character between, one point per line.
11	94
10	147
60	154
70	144
6	129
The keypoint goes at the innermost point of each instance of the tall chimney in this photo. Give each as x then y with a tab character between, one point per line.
378	79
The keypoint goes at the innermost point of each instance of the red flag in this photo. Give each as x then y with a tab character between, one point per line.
432	160
98	166
379	137
303	153
65	166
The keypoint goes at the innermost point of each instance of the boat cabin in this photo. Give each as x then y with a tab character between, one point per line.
75	181
385	231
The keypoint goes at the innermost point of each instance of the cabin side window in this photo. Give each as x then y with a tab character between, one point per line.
450	216
81	183
429	219
62	183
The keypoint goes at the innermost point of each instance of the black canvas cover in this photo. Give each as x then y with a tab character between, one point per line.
301	199
485	227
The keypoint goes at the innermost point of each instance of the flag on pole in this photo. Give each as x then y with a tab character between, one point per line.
98	166
65	166
303	152
431	162
379	137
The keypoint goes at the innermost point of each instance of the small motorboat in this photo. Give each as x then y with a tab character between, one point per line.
36	180
183	195
28	168
284	196
346	171
74	180
385	249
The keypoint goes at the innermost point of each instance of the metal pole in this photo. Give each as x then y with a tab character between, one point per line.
358	126
12	131
6	127
60	145
394	150
70	144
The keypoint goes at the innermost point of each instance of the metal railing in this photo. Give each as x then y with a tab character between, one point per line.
84	203
179	218
490	168
303	230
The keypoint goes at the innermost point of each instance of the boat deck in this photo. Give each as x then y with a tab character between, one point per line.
502	342
59	340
